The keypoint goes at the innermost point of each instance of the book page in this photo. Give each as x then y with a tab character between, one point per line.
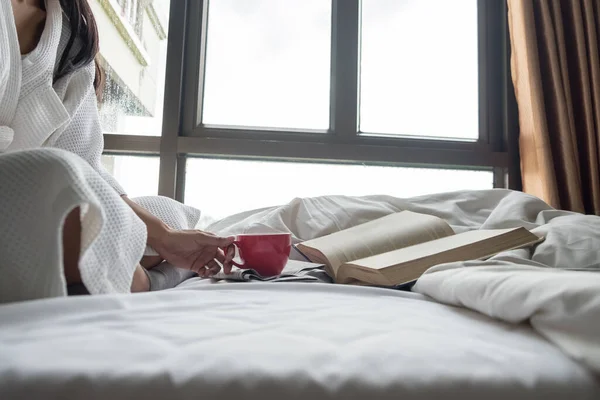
468	245
383	235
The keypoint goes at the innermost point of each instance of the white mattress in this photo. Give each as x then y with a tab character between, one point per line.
275	341
317	341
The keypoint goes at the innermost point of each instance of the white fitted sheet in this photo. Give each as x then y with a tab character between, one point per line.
274	341
300	340
554	286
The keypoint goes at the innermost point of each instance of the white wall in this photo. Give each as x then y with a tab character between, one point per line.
141	81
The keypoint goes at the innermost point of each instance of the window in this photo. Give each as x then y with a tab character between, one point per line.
133	44
258	184
137	174
133	49
372	90
267	64
419	68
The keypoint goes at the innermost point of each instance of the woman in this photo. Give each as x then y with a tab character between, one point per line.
64	220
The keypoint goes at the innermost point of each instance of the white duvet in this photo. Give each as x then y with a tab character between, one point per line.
555	287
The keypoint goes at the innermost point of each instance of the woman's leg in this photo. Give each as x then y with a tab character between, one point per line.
71	239
60	222
140	282
150	262
71	250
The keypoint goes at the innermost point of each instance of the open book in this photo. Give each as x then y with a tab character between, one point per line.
400	247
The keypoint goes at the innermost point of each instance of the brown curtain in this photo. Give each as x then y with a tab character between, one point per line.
556	73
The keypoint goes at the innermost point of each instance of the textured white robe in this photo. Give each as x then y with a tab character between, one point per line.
41	185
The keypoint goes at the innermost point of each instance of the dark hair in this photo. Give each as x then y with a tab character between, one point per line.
85	32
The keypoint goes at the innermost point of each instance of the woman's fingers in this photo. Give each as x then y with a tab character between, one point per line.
200	261
200	270
213	268
206	263
207	239
230	253
225	257
220	256
208	270
201	252
228	259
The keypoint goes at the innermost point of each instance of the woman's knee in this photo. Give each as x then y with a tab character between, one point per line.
48	171
44	160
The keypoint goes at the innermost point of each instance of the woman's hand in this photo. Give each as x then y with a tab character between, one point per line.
196	250
191	249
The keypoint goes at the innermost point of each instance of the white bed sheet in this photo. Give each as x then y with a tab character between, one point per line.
555	286
275	341
289	340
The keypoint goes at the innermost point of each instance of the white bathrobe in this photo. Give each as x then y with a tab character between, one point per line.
40	185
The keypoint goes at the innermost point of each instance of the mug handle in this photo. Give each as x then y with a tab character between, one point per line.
236	244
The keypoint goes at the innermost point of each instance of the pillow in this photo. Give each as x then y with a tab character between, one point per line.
173	213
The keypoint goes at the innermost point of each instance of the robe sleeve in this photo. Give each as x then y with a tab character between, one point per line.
83	134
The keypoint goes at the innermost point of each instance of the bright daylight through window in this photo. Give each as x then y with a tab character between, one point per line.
419	57
313	179
268	66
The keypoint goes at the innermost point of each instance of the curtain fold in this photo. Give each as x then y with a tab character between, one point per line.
555	65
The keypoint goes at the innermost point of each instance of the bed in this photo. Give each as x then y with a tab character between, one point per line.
524	325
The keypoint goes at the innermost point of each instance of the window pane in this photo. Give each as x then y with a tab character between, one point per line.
257	184
419	68
268	64
133	50
138	175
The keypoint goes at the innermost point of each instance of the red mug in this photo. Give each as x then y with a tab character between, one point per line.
267	253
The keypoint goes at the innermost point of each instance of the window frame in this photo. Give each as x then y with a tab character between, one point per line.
496	148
